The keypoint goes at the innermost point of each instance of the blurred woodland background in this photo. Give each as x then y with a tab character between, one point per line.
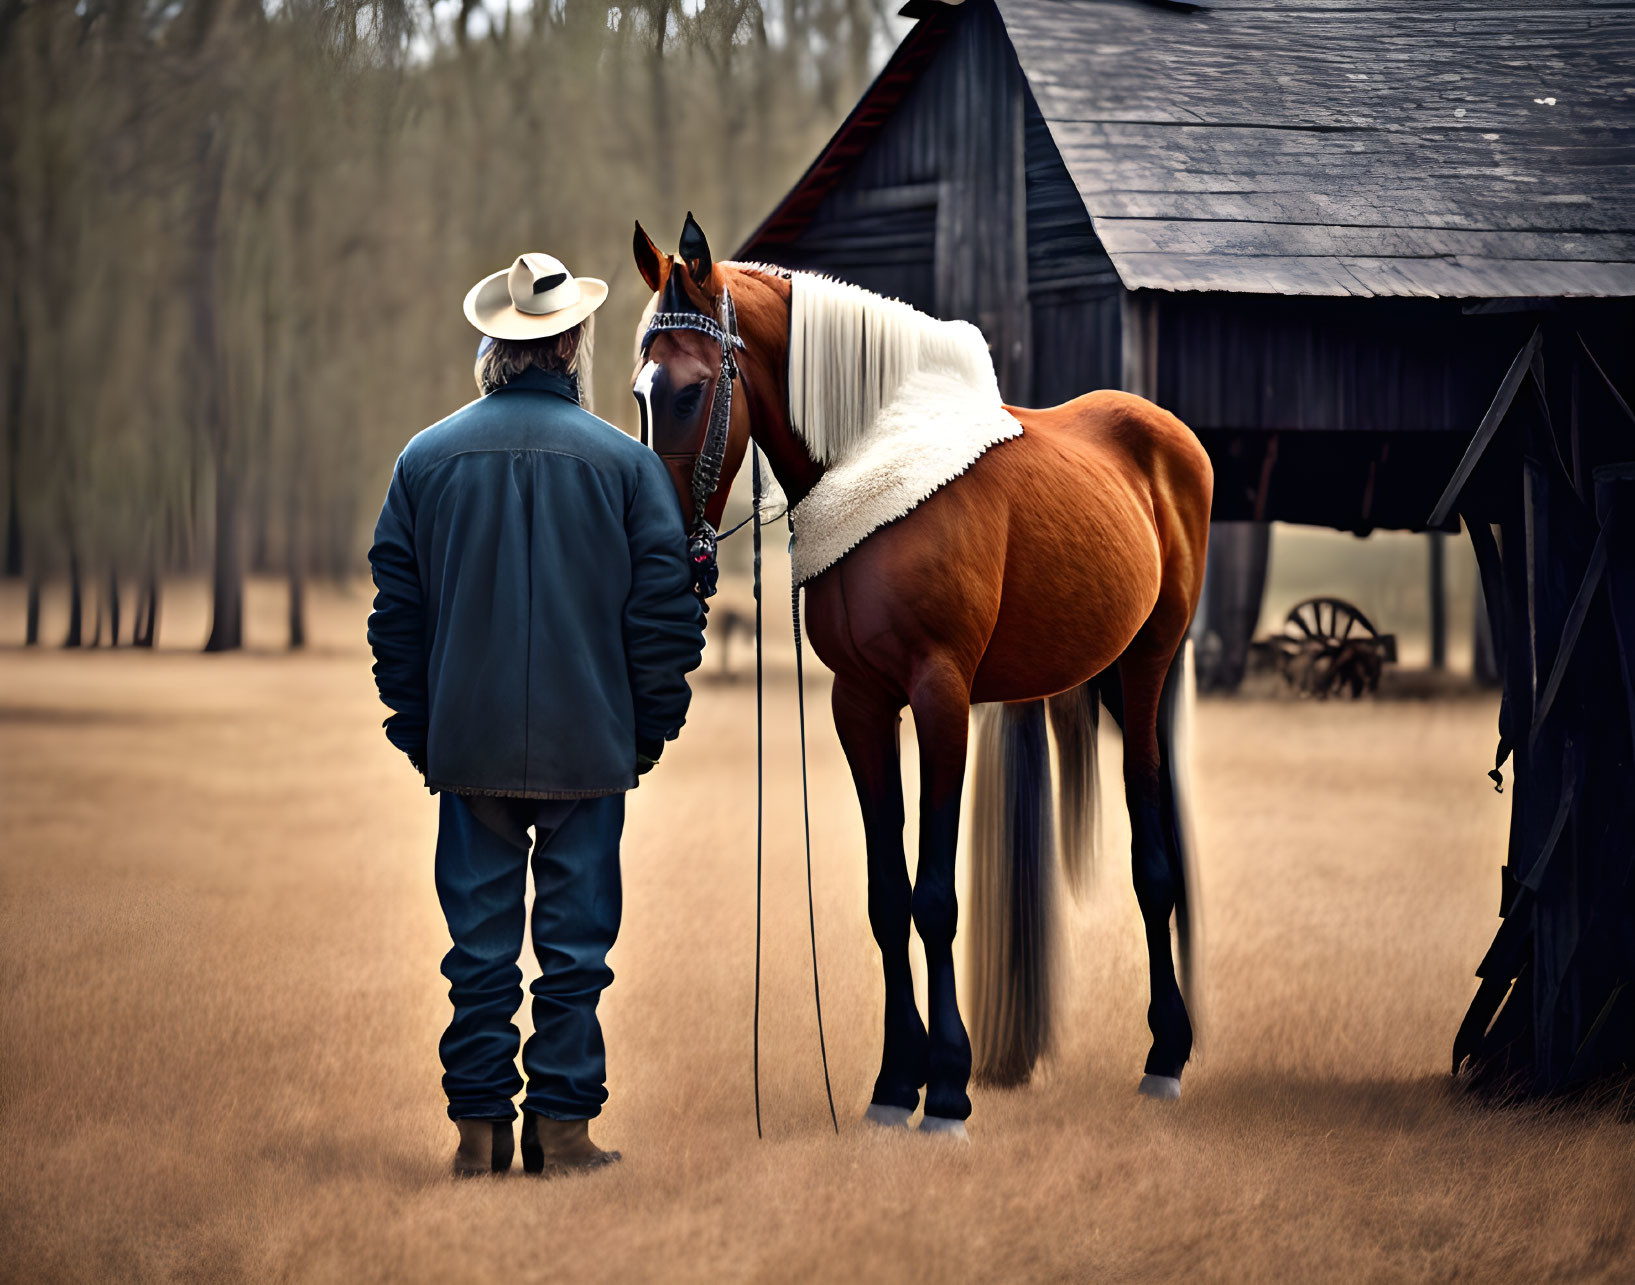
235	234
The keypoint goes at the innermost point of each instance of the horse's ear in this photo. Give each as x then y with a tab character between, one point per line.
695	250
649	262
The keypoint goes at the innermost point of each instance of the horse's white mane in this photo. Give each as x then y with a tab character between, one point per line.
851	352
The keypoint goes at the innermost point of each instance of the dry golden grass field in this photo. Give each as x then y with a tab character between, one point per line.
222	1005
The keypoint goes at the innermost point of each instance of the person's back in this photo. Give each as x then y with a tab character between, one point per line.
549	551
532	631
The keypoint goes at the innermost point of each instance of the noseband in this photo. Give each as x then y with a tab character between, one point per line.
702	539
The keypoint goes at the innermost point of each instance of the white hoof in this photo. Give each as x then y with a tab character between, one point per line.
887	1117
1165	1087
944	1128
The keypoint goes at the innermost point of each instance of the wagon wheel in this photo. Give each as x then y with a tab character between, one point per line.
1328	648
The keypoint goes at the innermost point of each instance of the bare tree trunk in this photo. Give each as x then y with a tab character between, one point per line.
150	614
296	559
76	619
14	435
658	85
31	626
113	609
96	626
298	609
259	527
227	580
14	526
861	21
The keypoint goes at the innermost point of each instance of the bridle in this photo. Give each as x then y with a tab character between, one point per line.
702	538
701	549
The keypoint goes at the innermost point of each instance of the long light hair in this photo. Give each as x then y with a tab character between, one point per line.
569	353
851	352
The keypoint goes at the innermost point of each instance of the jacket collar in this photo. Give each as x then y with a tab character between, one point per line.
536	380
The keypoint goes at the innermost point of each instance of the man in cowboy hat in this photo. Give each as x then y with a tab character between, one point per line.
532	632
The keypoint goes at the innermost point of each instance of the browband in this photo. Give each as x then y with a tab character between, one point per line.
690	321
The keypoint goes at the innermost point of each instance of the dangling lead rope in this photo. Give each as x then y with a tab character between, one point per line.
806	817
760	754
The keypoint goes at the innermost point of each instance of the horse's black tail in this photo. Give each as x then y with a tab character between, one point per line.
1012	893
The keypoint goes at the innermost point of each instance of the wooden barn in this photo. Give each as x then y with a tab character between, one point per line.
1381	259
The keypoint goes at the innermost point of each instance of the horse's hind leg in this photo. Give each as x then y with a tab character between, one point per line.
868	722
1156	854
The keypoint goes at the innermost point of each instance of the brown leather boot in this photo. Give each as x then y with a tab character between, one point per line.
553	1147
485	1148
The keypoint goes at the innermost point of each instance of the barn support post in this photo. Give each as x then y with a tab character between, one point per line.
1436	577
1555	1007
1234	588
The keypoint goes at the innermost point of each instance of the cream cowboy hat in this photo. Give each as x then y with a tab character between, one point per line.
535	298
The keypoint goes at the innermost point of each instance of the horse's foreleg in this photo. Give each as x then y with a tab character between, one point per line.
868	721
1155	858
941	704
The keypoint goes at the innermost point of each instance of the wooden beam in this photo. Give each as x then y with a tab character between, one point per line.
1611	387
1571	770
1575	622
1489	426
1575	436
1267	464
1491	575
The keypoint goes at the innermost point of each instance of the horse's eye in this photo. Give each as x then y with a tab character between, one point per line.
687	401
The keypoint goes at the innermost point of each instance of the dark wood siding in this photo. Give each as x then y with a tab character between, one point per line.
882	238
933	211
1073	289
1342	413
1384	365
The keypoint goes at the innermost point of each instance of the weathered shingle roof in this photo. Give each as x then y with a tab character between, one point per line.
1483	148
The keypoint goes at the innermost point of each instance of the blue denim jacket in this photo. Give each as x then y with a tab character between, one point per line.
534	620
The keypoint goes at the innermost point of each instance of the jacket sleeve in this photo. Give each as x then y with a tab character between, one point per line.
663	621
397	626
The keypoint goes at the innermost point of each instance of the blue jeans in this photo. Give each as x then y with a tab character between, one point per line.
482	878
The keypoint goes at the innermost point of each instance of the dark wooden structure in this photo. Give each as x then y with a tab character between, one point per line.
1325	238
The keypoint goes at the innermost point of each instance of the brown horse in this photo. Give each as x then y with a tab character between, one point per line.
1061	567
